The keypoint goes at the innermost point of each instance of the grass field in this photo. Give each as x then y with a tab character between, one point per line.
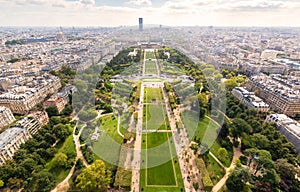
159	166
109	142
166	176
202	129
67	147
155	117
216	172
150	67
170	68
153	94
110	123
149	55
225	160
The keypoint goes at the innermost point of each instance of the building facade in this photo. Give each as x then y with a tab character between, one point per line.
34	122
249	99
22	99
288	127
280	92
6	117
10	141
12	138
140	24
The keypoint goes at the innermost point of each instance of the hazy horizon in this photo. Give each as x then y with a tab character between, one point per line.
106	13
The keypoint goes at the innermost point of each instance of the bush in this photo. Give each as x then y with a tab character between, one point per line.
207	183
243	160
236	143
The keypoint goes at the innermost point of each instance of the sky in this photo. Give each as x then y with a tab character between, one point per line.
165	12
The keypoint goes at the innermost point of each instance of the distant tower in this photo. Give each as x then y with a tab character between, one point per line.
140	24
60	36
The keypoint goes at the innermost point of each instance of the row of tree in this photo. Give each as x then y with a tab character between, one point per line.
26	168
269	162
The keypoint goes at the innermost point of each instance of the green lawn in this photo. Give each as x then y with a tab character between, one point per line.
153	94
109	124
157	175
216	172
163	173
202	129
67	147
170	68
107	149
109	142
155	117
150	67
225	160
154	139
149	55
208	129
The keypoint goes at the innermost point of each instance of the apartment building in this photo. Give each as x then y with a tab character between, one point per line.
10	141
21	99
249	99
12	138
282	93
60	99
35	121
6	117
288	127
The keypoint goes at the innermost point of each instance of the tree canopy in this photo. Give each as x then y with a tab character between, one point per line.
94	178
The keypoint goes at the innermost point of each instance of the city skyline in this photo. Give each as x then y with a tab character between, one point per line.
167	12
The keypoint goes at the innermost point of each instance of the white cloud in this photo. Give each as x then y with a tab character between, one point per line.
88	2
135	3
172	12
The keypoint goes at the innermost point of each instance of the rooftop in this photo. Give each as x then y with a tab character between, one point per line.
289	123
9	135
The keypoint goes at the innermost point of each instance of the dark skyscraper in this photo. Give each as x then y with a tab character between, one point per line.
141	24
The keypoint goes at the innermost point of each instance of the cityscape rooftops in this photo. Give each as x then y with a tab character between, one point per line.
287	87
287	122
9	135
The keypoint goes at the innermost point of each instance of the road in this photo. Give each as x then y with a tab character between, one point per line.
188	169
136	162
64	185
236	155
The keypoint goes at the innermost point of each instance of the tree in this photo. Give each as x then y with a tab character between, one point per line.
52	111
61	131
29	164
14	183
230	84
259	141
87	115
262	159
94	178
222	153
196	185
239	127
44	181
60	160
67	110
1	183
237	179
287	174
20	155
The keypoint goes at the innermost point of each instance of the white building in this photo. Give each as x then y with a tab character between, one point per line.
22	99
288	127
10	141
6	117
249	99
270	54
